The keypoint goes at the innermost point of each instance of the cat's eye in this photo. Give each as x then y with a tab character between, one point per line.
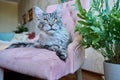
55	20
45	19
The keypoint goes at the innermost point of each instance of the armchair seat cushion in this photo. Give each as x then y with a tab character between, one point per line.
39	63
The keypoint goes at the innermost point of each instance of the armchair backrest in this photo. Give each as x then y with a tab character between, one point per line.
69	16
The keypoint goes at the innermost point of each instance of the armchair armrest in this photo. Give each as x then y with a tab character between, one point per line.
76	53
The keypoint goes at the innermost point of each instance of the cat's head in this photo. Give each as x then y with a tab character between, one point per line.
49	22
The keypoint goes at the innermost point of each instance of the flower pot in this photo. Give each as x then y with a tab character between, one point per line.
111	71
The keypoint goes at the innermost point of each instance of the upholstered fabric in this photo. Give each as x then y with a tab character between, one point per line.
43	63
40	63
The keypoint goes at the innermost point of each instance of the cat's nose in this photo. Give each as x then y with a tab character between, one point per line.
50	25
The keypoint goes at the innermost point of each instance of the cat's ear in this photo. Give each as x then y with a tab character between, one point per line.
59	10
38	12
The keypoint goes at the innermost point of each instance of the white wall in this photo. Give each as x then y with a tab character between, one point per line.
8	16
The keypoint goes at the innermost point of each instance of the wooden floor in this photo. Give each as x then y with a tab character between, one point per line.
91	76
86	76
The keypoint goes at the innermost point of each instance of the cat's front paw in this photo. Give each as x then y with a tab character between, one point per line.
62	56
38	45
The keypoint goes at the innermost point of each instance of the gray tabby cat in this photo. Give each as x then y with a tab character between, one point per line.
53	34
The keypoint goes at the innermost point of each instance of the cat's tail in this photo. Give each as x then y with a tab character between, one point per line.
20	45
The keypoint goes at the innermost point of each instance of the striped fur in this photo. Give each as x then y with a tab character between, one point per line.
53	34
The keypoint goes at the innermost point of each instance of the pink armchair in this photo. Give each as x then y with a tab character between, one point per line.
42	63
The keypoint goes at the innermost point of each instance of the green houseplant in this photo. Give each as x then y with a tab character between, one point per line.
21	28
100	28
63	1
